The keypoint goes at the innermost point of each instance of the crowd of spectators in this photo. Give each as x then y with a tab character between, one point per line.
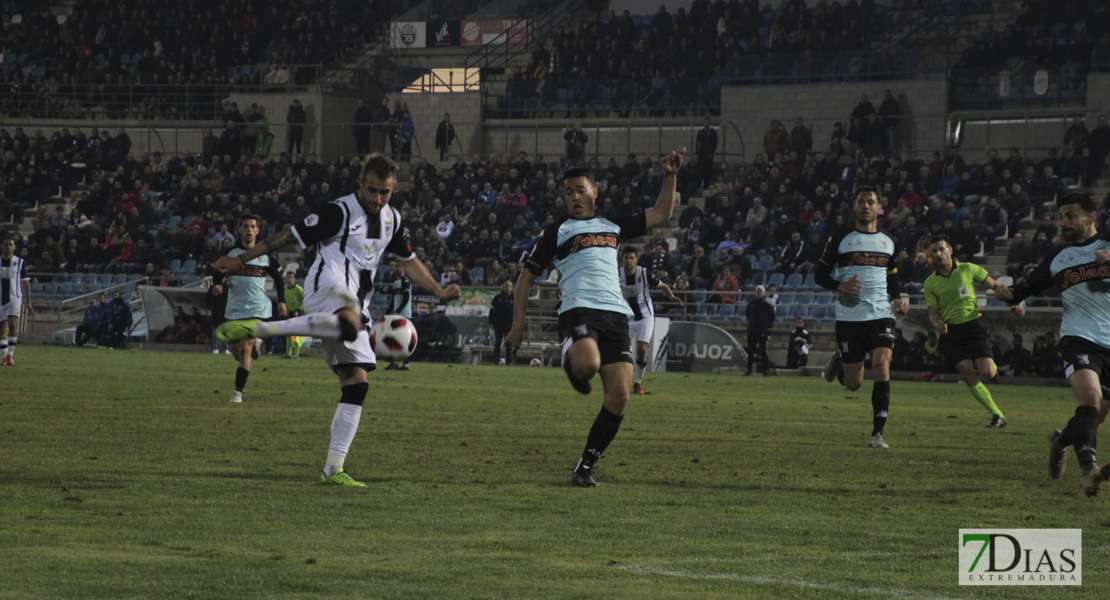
672	62
1057	37
111	59
471	221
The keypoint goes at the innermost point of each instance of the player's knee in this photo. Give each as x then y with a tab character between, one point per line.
354	393
584	370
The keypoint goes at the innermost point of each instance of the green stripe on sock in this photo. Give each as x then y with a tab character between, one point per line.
983	395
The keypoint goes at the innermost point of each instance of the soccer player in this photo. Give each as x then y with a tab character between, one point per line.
593	314
246	295
15	292
350	235
859	265
400	303
1081	269
294	306
636	283
954	312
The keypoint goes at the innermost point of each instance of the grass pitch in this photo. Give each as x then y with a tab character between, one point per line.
130	475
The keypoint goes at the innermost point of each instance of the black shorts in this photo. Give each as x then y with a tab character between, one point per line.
1079	353
966	341
855	339
609	329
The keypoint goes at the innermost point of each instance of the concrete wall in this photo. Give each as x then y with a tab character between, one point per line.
608	137
427	111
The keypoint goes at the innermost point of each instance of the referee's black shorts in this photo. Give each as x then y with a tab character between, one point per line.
856	339
966	341
609	329
1079	353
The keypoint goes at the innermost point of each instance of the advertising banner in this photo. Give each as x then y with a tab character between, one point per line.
701	348
443	33
408	34
480	32
474	302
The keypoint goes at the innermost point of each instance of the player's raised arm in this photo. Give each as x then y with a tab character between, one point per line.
227	264
664	204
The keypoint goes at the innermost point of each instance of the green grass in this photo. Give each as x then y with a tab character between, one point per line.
130	475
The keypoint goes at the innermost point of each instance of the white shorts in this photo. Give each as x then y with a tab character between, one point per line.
13	308
640	331
340	354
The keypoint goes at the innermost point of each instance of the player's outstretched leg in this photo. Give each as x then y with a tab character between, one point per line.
321	326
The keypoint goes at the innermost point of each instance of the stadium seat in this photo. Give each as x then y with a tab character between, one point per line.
189	267
175	265
787	298
104	280
776	279
752	259
793	282
818	313
476	275
782	312
758	279
811	283
824	299
766	263
64	290
805	298
36	289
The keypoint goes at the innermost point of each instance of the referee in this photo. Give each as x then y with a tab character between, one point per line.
954	312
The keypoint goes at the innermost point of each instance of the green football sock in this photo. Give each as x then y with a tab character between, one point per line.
983	395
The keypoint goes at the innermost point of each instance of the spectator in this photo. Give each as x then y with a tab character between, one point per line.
890	113
800	140
1098	148
1072	168
91	327
1076	135
405	134
793	254
445	135
380	133
363	127
776	139
760	315
1017	205
798	353
1017	358
501	321
698	269
295	119
726	285
1018	258
706	149
576	141
121	321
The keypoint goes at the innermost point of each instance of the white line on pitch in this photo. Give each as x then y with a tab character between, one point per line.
851	589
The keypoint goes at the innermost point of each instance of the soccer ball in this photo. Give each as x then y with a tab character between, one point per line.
536	362
393	338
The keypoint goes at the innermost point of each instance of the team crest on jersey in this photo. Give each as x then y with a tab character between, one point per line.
311	220
369	250
1082	359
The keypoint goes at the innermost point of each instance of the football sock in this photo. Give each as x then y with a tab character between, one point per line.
344	425
604	429
983	395
880	402
3	349
1081	434
639	372
321	326
11	345
241	375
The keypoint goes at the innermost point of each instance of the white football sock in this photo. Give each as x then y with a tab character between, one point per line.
321	326
638	372
344	426
11	344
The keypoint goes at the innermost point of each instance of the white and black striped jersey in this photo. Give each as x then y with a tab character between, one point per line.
638	292
349	245
13	272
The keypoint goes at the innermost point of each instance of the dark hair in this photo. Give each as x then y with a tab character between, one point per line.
867	189
380	165
247	217
940	238
1085	201
576	172
629	249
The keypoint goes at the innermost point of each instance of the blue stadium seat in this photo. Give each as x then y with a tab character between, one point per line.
782	312
787	298
810	283
826	299
758	279
752	259
793	282
36	289
476	275
818	313
766	263
104	280
776	279
64	290
805	298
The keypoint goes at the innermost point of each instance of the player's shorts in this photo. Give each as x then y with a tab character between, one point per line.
339	354
640	331
856	339
1079	353
608	328
966	341
13	308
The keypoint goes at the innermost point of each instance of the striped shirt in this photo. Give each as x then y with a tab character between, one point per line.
13	272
